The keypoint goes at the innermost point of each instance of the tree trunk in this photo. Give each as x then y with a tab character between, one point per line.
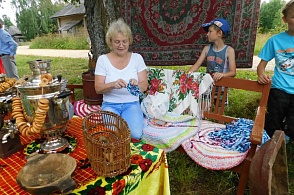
95	27
99	13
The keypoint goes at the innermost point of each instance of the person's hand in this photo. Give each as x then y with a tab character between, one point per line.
11	57
120	83
263	79
217	76
133	82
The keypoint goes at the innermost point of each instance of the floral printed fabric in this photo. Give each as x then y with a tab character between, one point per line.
185	90
182	120
148	168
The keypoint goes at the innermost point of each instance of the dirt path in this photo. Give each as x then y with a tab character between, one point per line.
24	50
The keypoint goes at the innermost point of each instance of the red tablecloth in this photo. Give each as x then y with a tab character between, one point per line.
153	171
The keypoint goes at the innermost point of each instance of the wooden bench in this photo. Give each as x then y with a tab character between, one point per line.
216	113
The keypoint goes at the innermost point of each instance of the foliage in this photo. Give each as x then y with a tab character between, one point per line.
58	41
7	21
33	17
270	15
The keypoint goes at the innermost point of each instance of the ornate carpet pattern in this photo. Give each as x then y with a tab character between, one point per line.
169	32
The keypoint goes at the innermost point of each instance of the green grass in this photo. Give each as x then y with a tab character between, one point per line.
69	68
186	177
79	41
260	41
58	41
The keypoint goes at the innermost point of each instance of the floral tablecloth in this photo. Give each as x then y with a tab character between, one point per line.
148	173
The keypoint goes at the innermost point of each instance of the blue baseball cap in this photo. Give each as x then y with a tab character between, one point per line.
219	22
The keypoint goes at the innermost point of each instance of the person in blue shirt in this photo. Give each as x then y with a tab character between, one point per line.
280	107
7	52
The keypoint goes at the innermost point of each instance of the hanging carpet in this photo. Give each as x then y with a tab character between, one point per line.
170	33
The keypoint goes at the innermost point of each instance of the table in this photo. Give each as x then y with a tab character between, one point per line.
148	173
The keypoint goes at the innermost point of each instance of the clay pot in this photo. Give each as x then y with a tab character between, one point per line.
47	173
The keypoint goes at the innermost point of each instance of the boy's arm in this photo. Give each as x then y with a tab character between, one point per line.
201	58
262	77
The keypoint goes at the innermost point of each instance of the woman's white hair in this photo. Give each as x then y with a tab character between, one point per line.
116	27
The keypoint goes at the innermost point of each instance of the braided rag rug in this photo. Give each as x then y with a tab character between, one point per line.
220	147
181	121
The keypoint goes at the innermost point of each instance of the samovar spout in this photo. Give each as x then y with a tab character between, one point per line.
5	137
11	131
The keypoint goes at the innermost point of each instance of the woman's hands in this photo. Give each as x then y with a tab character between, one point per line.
120	83
133	82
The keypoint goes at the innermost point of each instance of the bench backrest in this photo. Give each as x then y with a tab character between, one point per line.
219	93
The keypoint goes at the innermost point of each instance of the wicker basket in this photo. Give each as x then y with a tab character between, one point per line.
107	140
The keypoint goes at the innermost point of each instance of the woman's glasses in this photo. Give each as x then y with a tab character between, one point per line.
118	43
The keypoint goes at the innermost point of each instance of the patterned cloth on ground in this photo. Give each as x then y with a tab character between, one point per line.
213	148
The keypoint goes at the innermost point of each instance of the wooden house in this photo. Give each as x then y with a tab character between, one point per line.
70	18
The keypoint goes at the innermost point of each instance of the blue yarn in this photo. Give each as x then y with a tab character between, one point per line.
236	135
134	90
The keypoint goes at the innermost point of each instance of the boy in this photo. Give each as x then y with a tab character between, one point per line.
280	107
219	56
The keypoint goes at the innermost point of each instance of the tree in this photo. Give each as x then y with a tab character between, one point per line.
33	17
270	15
7	21
99	13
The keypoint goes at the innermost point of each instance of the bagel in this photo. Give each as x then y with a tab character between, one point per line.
39	121
19	120
16	98
17	109
13	114
17	115
28	131
20	127
24	129
20	124
43	101
41	112
47	76
44	82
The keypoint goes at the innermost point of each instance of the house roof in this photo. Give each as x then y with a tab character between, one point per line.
70	9
13	30
70	24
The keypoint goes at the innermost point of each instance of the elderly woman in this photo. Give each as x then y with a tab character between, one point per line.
115	70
